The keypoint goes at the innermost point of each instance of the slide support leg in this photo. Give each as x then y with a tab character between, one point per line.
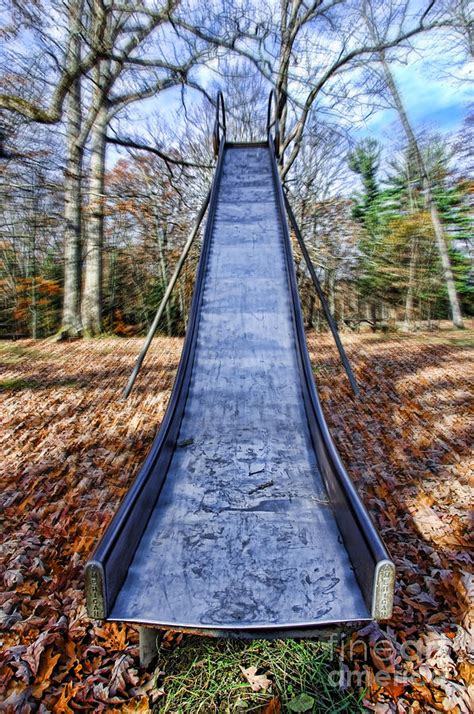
149	639
324	304
165	299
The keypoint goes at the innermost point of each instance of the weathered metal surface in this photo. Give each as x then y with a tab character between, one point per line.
361	539
117	546
242	535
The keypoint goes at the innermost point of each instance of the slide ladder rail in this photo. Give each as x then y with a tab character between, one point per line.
166	297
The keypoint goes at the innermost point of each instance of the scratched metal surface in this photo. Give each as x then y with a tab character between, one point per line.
242	535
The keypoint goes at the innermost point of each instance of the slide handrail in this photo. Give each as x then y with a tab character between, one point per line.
273	123
219	124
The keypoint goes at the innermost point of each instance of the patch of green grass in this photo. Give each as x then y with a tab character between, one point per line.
457	338
204	676
460	340
16	384
12	353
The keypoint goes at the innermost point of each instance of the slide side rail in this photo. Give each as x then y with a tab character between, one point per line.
372	564
108	566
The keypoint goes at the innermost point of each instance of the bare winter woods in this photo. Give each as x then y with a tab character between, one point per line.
107	112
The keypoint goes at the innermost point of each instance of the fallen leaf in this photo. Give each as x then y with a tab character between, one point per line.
48	663
383	656
62	704
425	672
171	639
122	675
272	707
258	682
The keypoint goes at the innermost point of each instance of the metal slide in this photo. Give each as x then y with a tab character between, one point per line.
243	519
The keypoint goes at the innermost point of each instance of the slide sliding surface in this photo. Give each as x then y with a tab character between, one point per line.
243	534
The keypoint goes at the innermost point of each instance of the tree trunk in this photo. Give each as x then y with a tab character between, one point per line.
373	316
342	314
91	309
112	286
311	311
331	284
71	318
407	323
32	262
317	325
161	238
428	194
445	261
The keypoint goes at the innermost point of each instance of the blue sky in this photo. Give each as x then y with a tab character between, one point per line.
436	103
436	86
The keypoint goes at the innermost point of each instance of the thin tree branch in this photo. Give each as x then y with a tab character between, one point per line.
131	144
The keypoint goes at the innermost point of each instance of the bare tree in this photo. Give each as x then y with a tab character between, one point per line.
319	44
30	234
110	54
66	64
60	60
103	68
144	76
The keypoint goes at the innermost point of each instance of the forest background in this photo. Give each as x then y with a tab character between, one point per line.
107	117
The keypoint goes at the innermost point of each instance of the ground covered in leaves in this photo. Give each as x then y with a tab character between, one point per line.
70	450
